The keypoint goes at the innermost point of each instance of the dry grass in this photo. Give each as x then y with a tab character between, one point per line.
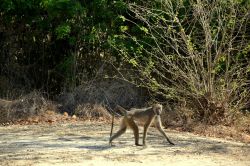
35	109
92	111
221	131
235	127
103	92
26	106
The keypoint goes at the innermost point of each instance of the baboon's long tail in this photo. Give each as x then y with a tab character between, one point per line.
122	110
112	125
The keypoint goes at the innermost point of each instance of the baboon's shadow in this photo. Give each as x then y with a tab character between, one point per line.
95	147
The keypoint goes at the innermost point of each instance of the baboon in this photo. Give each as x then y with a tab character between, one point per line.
145	116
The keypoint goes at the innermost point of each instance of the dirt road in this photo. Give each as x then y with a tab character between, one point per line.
86	143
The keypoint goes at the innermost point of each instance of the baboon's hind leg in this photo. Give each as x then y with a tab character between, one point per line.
135	129
119	132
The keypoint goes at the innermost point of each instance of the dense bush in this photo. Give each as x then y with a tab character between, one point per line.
196	53
192	53
54	45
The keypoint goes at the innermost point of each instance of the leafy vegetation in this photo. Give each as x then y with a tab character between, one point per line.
190	53
195	54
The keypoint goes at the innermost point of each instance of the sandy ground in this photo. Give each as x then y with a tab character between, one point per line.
86	143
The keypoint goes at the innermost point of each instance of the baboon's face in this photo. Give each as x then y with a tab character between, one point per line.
157	109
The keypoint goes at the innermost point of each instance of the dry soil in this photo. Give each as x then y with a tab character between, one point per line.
86	143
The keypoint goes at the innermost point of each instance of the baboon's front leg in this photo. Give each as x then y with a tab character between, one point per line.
159	127
146	126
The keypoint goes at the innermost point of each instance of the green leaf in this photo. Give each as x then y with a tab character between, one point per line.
133	62
63	31
123	28
122	18
144	29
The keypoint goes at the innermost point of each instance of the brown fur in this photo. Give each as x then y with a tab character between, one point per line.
145	116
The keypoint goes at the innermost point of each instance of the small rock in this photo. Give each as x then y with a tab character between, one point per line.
74	117
36	119
51	120
65	114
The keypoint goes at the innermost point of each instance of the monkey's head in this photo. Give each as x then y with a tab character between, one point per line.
157	108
